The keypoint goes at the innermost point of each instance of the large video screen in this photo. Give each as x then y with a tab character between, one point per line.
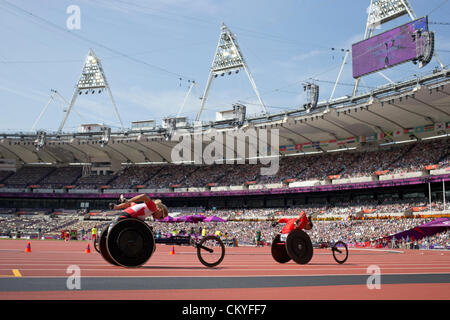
387	49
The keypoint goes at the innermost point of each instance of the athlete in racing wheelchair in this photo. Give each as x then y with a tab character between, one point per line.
293	243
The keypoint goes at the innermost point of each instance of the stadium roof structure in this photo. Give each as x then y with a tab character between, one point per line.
399	112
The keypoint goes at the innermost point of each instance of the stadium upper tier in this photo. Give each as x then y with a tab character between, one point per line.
412	159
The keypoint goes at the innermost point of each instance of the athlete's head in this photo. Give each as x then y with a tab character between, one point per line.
309	225
162	211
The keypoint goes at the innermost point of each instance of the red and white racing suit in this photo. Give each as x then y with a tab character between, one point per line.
139	210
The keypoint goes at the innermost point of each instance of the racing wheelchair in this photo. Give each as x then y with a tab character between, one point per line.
297	246
130	243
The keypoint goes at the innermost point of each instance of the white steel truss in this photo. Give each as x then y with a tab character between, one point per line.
227	59
92	79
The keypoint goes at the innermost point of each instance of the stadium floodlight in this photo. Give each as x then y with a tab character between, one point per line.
227	59
92	75
382	11
92	78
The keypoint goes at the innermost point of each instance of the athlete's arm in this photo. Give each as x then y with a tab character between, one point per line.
283	220
122	206
128	203
139	198
301	221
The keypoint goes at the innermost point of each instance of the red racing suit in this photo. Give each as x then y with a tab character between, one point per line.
290	223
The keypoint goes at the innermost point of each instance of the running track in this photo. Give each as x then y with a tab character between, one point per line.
247	273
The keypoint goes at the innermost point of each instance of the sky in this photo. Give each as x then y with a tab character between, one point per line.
152	50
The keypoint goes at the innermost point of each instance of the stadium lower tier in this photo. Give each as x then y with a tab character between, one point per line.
385	233
47	215
392	198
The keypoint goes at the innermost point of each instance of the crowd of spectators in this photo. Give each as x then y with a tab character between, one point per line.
422	154
205	175
441	239
171	175
353	231
289	168
12	225
239	174
131	176
366	163
346	211
61	177
93	181
320	209
26	176
393	159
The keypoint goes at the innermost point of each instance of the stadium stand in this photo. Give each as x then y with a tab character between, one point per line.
131	176
27	175
61	177
337	218
394	159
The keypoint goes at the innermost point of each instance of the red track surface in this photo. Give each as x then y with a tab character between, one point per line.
50	259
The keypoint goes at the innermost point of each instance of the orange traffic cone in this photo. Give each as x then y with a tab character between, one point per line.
173	250
28	248
88	249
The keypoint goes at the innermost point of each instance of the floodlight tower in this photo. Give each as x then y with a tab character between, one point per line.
382	11
92	80
227	59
